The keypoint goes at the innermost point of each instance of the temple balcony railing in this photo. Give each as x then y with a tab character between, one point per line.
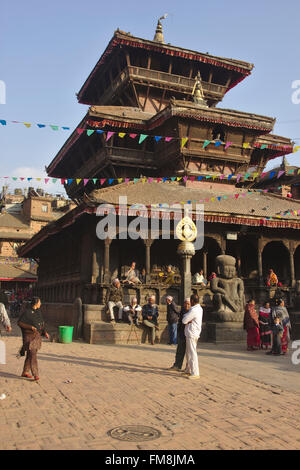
164	80
125	155
95	294
169	151
93	167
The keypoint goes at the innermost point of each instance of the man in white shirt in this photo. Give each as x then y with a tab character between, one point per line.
193	324
4	318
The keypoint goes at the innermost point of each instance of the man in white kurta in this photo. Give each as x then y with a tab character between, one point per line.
193	325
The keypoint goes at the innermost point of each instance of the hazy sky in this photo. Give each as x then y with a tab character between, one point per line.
47	50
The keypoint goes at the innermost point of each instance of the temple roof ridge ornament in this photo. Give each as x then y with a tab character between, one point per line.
159	35
284	164
198	94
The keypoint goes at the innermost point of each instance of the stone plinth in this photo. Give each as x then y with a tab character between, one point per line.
225	332
100	332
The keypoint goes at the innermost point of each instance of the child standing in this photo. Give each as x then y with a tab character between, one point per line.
277	334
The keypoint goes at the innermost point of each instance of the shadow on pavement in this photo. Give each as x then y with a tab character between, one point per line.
90	362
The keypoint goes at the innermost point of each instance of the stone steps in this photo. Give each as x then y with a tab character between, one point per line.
94	313
101	332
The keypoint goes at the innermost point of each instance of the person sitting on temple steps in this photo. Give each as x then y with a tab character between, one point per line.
133	310
132	275
198	278
115	298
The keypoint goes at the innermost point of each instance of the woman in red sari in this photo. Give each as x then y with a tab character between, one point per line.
251	324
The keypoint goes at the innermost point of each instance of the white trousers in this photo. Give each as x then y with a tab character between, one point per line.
111	306
4	319
191	355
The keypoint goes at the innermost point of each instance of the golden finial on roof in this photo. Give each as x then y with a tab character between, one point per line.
159	35
198	95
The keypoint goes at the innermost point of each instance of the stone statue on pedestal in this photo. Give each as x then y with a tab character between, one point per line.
228	290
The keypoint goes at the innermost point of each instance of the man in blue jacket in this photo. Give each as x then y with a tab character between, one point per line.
150	315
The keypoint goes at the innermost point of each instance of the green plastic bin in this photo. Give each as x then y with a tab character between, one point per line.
65	334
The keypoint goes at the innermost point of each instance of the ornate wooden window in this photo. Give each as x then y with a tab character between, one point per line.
218	133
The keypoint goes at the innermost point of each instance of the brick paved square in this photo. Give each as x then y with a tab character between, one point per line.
232	406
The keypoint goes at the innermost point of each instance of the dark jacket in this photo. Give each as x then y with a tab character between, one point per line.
172	313
31	317
114	294
277	329
150	310
180	325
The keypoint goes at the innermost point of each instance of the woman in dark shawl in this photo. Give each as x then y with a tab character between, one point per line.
251	324
33	328
264	325
281	311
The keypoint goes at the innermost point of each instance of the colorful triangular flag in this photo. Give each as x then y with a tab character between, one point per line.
142	138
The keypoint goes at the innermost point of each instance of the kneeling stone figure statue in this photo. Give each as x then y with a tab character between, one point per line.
228	290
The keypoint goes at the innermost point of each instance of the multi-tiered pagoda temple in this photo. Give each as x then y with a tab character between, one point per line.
149	88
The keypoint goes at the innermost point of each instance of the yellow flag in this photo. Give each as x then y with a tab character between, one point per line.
27	124
120	180
143	180
184	141
38	179
246	145
296	150
179	178
122	134
78	180
255	175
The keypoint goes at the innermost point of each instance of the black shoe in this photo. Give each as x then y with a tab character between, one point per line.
269	352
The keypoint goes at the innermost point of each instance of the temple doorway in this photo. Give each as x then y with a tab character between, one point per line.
122	253
248	257
276	256
164	253
297	263
213	249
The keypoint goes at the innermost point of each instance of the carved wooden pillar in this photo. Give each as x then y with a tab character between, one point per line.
238	260
292	264
106	277
223	245
95	264
148	242
259	260
205	264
